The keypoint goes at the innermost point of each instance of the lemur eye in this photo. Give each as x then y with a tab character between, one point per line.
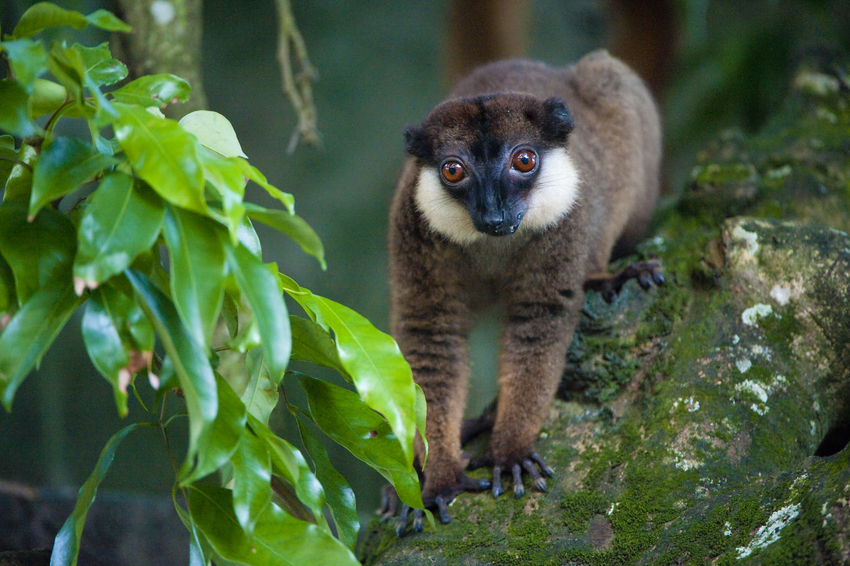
524	160
453	171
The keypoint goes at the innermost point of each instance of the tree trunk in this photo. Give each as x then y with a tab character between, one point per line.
166	38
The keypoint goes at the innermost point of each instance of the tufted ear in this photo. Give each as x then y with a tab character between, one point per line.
417	142
557	121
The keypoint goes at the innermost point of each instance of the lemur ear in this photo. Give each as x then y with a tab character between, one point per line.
557	120
417	143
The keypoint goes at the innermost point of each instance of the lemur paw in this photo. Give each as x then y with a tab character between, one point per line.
515	469
607	285
439	499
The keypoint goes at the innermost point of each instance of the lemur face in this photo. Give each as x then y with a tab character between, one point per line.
492	162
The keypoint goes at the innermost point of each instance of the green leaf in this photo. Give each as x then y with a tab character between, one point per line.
8	156
122	220
163	154
63	166
247	236
19	183
225	176
66	547
261	395
31	332
153	90
99	65
43	15
28	59
379	371
312	343
106	349
39	252
66	67
293	226
252	492
279	539
108	21
8	298
344	417
260	289
14	110
214	131
340	496
219	442
421	409
197	270
289	464
191	365
254	174
46	98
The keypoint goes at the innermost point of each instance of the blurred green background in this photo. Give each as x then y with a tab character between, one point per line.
382	66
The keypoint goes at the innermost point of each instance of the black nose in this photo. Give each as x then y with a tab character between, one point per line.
494	225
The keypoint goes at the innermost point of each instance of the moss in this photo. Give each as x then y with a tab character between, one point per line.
580	506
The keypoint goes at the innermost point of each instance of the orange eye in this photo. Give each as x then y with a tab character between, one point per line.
453	171
524	161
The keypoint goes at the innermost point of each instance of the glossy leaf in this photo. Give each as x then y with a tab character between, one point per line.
379	371
63	166
66	547
8	298
344	417
197	270
279	539
163	154
340	496
28	59
312	343
8	156
122	220
254	174
214	131
46	98
153	90
38	252
220	441
43	15
293	226
106	349
247	236
190	362
99	65
19	183
30	333
259	287
252	492
289	464
66	67
106	20
225	176
14	110
261	395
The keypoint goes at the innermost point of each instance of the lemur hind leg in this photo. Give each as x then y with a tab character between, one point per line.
647	273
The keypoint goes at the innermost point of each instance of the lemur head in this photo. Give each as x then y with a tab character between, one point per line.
491	162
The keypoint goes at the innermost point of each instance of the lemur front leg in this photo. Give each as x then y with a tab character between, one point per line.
433	338
531	360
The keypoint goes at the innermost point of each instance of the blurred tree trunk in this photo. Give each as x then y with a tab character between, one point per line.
166	38
482	31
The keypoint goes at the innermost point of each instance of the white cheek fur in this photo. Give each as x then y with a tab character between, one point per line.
552	197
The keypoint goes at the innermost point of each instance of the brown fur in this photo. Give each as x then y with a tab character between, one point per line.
437	285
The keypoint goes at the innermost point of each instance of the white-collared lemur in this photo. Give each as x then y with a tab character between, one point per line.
516	190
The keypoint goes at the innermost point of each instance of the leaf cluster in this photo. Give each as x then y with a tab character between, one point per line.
144	227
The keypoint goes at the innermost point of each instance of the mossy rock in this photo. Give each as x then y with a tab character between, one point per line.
704	421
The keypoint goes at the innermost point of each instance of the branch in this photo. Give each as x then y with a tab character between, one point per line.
299	88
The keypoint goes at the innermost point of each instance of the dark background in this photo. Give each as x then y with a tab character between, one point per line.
382	65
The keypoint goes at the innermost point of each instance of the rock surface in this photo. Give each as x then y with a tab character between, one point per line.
705	421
